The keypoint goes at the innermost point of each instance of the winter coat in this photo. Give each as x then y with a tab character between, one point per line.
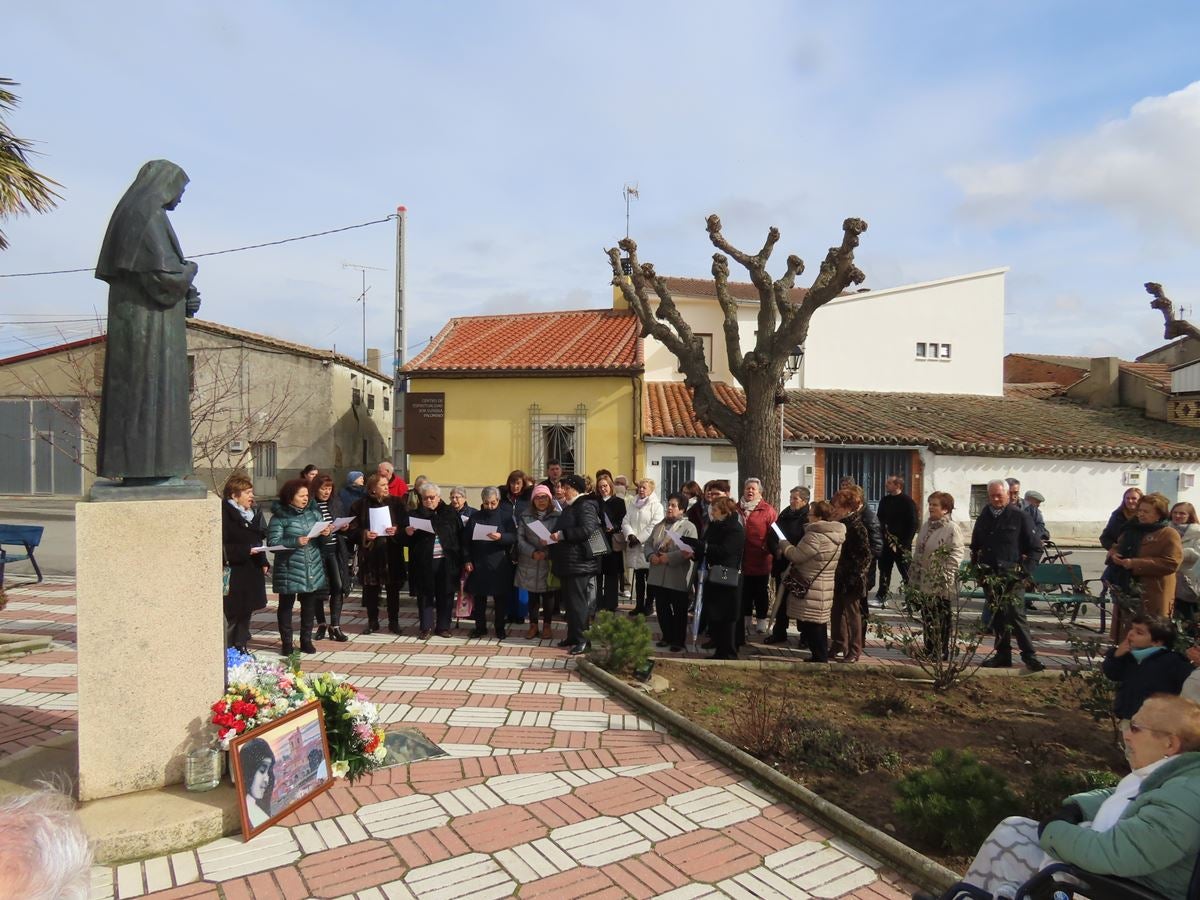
850	578
939	551
397	487
349	495
697	514
297	570
792	523
570	555
1157	838
1187	579
247	583
724	540
815	561
639	522
1158	558
898	518
1116	524
1038	521
381	560
676	573
1163	672
492	574
1005	541
447	530
532	573
513	507
874	530
756	558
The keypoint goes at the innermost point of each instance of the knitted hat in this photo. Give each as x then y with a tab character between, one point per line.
353	477
541	491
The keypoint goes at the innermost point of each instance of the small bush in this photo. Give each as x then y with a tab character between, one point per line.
822	746
620	644
1048	790
757	722
955	803
890	702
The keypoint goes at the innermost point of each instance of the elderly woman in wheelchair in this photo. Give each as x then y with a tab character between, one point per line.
1141	838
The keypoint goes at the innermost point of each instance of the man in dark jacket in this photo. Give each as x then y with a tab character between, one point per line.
1004	546
573	561
898	518
792	520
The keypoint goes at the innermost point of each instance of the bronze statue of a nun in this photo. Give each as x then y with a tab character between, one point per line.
145	419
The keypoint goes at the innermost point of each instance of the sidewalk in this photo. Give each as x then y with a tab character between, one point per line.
553	788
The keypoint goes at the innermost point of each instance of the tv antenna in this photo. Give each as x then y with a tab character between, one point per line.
630	191
362	298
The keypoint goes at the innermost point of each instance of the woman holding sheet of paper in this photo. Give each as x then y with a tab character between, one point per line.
670	575
299	573
612	517
378	527
642	513
538	523
334	556
491	535
434	558
243	531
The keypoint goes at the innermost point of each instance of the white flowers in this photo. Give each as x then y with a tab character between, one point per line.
340	768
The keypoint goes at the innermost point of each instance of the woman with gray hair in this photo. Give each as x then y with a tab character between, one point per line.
434	558
44	852
489	566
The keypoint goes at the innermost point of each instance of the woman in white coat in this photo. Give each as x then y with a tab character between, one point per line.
1187	579
642	513
933	574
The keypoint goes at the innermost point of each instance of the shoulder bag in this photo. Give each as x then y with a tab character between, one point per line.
597	545
724	576
794	586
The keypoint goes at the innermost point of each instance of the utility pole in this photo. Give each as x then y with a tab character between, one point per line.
362	298
630	191
400	384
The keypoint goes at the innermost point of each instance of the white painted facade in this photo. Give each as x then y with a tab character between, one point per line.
1080	494
963	316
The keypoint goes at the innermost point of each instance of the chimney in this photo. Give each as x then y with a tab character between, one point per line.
1104	381
373	359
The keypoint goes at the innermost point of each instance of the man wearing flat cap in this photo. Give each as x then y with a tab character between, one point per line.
1033	502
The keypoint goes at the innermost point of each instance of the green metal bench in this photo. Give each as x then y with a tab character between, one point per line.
27	537
1059	584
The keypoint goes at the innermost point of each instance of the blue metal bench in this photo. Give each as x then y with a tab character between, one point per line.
1059	584
27	537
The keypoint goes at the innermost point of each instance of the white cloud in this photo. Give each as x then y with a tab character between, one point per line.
1141	168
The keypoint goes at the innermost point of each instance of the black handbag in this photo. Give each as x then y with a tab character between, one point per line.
723	576
797	587
597	545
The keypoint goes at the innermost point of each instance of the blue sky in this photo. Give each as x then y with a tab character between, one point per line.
1059	139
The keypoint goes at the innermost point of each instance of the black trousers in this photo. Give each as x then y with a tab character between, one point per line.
672	616
338	587
371	602
892	555
611	567
816	636
643	594
577	593
434	609
545	602
283	618
756	595
237	631
1008	620
723	616
935	623
500	615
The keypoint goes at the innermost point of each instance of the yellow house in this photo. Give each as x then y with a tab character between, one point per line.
491	394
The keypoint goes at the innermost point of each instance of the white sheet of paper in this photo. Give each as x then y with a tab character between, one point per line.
339	524
541	531
481	532
421	524
678	541
317	529
779	534
276	548
465	519
608	522
380	519
557	506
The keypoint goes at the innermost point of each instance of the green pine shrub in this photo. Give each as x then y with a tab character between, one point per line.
954	803
620	644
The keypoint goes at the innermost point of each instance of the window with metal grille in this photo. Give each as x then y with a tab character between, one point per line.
355	396
676	472
559	437
979	499
264	458
869	469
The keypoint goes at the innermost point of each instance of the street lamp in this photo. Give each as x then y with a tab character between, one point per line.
791	367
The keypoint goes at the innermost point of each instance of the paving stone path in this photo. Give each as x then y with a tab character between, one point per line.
552	788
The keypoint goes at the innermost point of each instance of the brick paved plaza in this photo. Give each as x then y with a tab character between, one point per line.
552	789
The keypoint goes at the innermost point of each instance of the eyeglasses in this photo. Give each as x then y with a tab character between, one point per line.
1135	728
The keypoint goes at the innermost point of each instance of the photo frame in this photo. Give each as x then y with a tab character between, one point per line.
280	766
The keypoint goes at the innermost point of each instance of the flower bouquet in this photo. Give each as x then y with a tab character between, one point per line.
259	691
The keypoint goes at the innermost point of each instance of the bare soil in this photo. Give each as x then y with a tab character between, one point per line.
1024	727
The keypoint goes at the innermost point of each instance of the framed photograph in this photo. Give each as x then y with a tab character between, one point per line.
280	766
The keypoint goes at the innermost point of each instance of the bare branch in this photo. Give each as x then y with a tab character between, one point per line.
756	266
838	272
733	337
783	289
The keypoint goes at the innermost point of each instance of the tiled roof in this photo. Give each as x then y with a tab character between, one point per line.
705	287
1025	368
971	425
1158	374
581	341
1038	389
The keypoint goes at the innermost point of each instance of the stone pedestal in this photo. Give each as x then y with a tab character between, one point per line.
150	634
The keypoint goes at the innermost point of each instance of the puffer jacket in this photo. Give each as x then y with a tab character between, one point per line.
939	551
1155	841
571	556
814	561
756	558
676	573
1187	579
639	522
297	570
532	573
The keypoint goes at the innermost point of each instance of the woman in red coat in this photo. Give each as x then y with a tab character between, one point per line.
757	516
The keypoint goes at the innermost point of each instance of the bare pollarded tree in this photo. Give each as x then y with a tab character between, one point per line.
782	325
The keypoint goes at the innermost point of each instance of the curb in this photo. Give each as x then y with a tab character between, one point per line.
907	861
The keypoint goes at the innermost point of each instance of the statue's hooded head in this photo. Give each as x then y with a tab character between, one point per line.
139	236
160	182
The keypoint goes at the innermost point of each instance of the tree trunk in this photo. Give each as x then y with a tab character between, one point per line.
758	450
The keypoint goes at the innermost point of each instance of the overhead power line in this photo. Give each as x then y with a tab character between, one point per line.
302	237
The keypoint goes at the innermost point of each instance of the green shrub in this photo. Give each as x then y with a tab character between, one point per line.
1048	790
620	644
955	803
822	746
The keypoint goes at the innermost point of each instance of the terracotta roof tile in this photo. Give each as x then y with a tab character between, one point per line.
705	287
1036	389
1158	374
971	425
586	340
